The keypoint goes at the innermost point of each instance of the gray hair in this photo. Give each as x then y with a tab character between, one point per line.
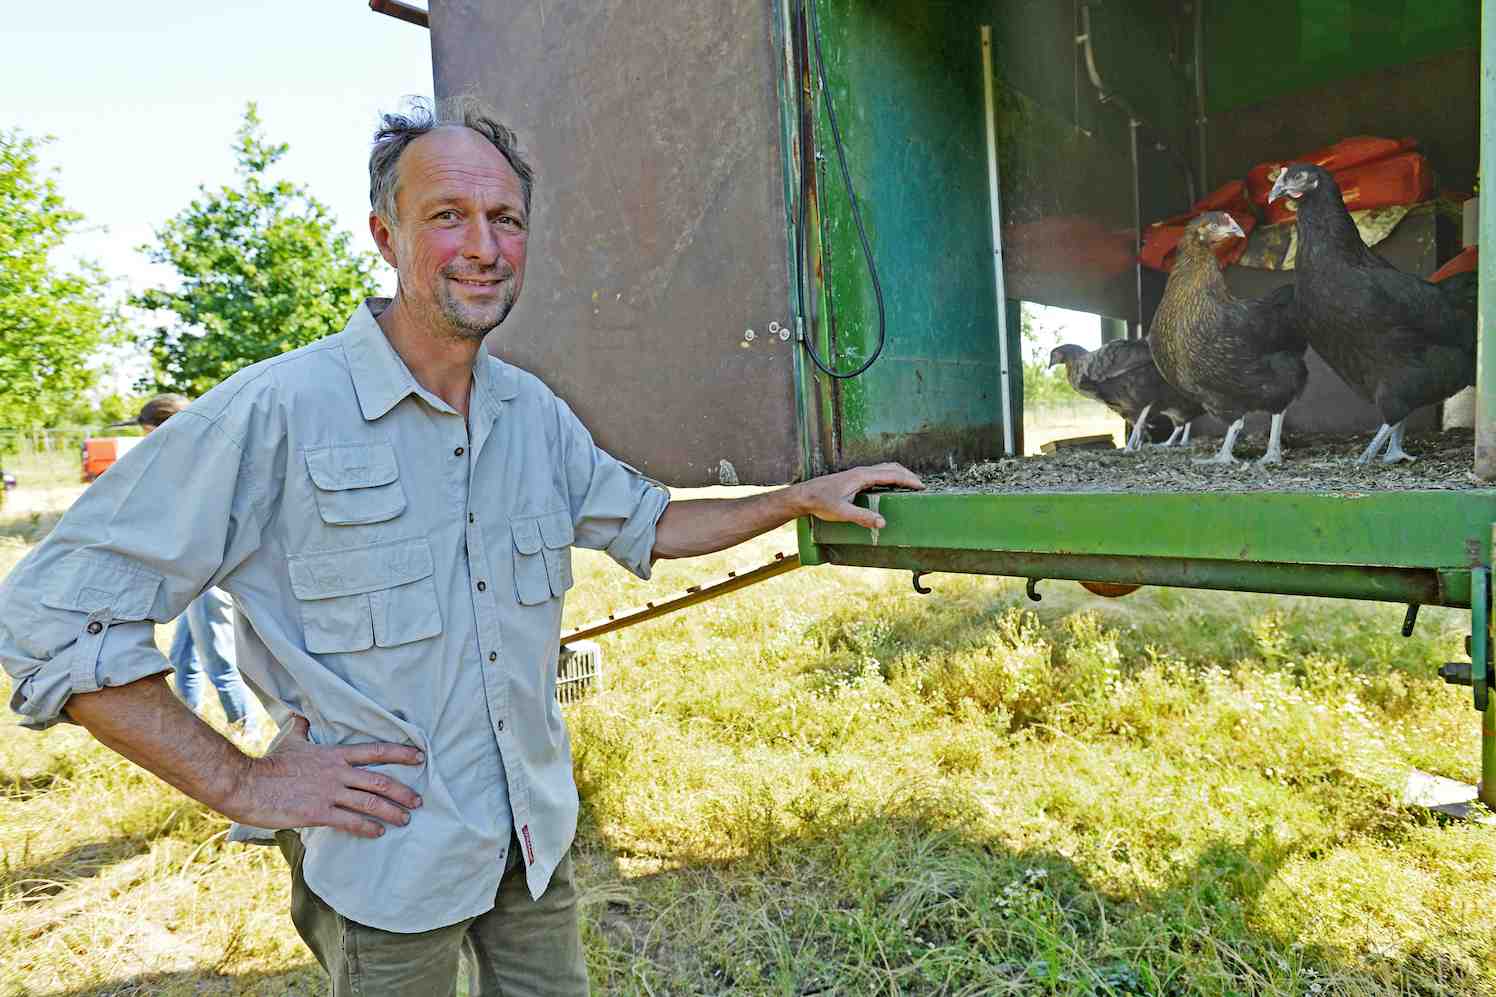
396	131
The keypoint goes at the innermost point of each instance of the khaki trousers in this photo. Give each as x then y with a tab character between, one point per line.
520	948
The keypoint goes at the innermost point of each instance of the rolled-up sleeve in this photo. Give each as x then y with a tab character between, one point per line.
166	521
614	507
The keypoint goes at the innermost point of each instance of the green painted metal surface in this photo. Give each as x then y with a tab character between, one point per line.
907	80
1480	675
1269	48
1485	387
1381	584
1421	531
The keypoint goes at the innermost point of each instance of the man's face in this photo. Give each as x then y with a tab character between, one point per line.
459	246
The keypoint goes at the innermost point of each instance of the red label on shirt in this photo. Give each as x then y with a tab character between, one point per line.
524	832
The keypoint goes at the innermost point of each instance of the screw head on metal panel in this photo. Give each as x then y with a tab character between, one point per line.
748	335
773	328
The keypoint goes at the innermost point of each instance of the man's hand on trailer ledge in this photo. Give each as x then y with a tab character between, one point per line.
692	527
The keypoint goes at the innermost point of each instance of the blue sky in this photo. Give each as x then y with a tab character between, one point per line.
144	99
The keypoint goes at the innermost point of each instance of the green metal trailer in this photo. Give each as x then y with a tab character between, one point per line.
700	281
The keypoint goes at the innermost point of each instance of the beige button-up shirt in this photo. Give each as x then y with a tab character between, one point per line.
398	574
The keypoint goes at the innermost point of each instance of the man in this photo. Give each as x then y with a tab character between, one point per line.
202	648
393	511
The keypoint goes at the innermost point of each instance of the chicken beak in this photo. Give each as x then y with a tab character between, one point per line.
1233	228
1279	188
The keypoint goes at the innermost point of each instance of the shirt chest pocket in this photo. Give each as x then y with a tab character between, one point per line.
355	484
380	594
542	556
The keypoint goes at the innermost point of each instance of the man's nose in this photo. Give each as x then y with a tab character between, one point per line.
482	243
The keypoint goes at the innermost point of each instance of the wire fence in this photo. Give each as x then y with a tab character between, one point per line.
56	440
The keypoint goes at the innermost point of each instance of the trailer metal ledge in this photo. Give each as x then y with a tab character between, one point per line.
1409	547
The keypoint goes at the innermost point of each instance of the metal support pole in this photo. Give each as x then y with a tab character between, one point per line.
1010	417
1487	788
1202	121
1485	377
1137	225
1480	676
401	12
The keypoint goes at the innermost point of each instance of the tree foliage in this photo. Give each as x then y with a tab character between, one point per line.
263	269
52	319
1042	384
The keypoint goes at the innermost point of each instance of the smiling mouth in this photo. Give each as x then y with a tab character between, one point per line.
472	282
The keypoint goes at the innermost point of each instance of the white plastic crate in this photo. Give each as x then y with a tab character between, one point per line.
579	671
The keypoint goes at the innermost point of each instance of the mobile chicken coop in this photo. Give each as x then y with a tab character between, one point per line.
708	295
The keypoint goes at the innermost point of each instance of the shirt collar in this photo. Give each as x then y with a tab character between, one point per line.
381	379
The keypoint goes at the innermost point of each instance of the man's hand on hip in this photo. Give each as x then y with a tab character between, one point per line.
295	784
300	784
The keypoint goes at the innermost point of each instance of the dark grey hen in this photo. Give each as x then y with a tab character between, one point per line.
1399	341
1122	376
1236	355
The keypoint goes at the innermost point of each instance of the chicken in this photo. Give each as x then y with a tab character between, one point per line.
1234	356
1397	340
1121	376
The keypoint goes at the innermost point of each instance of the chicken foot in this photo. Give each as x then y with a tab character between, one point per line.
1395	453
1135	441
1392	436
1274	453
1223	456
1180	437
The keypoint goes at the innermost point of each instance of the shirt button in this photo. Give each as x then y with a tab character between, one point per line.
95	627
493	656
482	586
458	452
471	519
500	725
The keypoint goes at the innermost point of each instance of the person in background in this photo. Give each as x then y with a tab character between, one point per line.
202	649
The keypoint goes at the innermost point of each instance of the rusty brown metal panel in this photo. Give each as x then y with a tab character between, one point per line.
658	231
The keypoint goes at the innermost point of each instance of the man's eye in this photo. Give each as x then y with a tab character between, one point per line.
446	216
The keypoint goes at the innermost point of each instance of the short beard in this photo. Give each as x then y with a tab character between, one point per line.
463	323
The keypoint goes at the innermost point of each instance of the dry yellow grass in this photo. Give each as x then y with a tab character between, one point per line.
828	784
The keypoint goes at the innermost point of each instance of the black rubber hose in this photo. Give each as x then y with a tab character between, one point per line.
867	250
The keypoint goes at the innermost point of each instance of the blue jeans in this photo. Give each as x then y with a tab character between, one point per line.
206	645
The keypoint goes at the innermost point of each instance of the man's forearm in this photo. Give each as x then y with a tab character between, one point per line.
148	724
702	526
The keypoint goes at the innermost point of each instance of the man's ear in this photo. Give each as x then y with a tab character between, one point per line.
383	238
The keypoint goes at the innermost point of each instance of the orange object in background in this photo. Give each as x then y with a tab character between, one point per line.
100	452
1466	260
1342	155
1162	238
1402	179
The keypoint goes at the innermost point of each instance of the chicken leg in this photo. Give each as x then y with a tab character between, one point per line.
1392	436
1395	453
1274	453
1180	437
1135	441
1223	456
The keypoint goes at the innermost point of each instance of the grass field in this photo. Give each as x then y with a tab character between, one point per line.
828	784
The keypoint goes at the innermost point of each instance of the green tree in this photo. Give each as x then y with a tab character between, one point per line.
52	319
1042	384
263	269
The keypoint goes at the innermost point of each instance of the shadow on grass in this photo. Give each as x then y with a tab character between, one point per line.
28	527
909	905
24	787
44	880
1203	628
302	981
